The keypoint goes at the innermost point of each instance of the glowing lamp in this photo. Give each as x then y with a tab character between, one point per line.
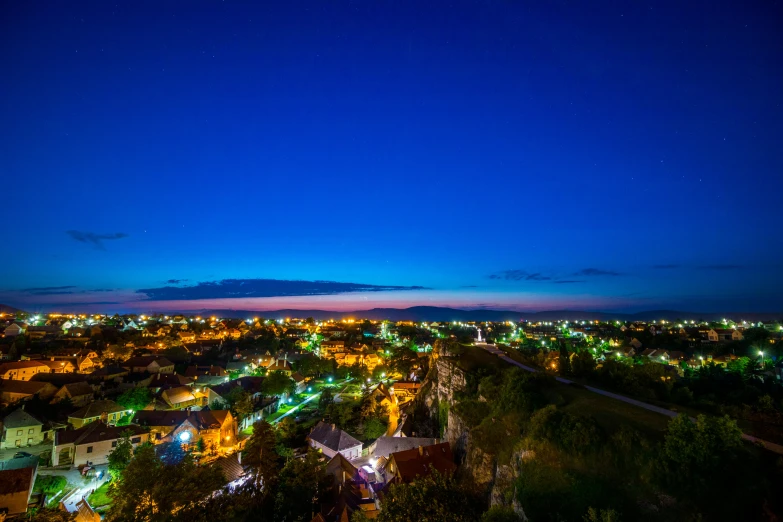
184	436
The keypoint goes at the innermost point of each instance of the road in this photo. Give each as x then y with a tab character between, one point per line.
771	446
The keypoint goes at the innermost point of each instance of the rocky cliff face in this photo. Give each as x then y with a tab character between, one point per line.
496	481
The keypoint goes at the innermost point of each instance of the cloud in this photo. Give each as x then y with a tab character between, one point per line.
666	267
94	239
720	267
101	290
592	272
46	289
175	281
50	290
89	303
519	275
233	288
567	281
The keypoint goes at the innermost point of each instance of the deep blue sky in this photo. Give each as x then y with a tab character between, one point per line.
536	155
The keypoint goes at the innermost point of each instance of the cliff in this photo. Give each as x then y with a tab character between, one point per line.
495	482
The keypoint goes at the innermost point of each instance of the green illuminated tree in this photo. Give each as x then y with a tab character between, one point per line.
278	384
120	457
135	399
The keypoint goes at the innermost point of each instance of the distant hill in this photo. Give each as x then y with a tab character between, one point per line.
5	309
439	314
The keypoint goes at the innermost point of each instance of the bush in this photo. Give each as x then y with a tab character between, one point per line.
49	483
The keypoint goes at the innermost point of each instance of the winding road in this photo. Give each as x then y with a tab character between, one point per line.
771	446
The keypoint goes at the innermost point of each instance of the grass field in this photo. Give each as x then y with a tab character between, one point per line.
100	497
609	413
473	357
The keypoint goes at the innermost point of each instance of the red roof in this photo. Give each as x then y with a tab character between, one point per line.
419	461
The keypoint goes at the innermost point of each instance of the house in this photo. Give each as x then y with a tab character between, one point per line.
385	446
79	393
149	363
405	466
383	396
216	427
92	443
636	343
180	398
329	348
405	390
280	365
84	364
330	440
187	337
341	469
300	381
59	366
14	329
22	370
108	373
349	492
12	391
199	372
16	487
262	409
718	335
160	381
21	429
232	469
109	412
39	332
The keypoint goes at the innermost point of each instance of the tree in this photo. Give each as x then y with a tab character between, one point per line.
240	402
373	428
151	490
120	457
135	399
500	514
278	384
707	458
326	399
565	361
51	515
436	498
260	459
302	483
601	515
200	445
582	364
118	351
286	429
697	452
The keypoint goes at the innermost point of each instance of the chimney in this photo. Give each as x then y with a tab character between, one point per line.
421	450
239	457
334	426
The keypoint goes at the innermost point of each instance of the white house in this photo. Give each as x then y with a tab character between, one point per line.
330	440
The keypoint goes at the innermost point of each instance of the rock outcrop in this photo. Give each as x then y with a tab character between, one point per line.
446	379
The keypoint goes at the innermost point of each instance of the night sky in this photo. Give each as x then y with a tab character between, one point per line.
347	155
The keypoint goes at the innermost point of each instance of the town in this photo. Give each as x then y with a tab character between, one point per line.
330	420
